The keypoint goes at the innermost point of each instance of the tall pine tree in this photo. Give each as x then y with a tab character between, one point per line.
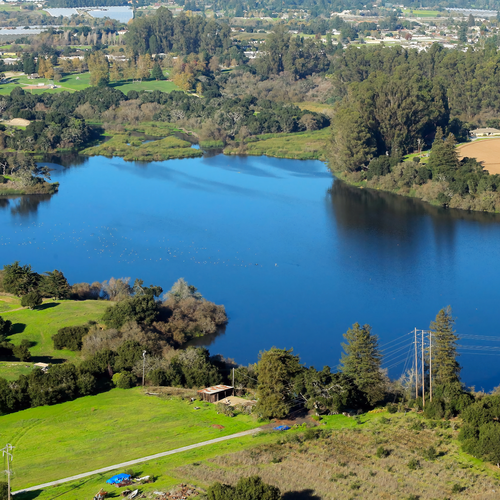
276	370
362	360
445	367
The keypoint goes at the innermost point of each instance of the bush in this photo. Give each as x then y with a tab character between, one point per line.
413	464
3	180
3	490
382	452
430	453
246	488
124	380
31	300
70	337
22	352
391	408
457	488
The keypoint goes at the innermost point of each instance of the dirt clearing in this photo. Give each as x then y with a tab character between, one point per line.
485	150
20	122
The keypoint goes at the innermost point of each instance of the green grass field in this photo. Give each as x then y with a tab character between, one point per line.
134	149
53	442
39	325
301	146
423	13
75	82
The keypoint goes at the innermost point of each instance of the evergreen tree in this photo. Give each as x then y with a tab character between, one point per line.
445	368
31	300
19	280
5	328
276	371
157	72
361	361
443	159
55	285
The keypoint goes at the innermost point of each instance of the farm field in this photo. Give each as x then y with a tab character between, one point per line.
485	150
317	107
113	427
39	325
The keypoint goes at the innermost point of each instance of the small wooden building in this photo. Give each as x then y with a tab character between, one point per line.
216	393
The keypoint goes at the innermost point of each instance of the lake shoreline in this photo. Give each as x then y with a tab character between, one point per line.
410	193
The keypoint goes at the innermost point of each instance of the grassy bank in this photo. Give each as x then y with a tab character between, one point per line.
298	146
13	188
54	442
134	149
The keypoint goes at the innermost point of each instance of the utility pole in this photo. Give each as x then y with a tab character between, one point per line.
430	364
7	453
423	374
143	366
416	366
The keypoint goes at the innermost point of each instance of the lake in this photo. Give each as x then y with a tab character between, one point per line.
295	255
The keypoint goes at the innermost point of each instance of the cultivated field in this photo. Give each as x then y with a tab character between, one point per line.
485	150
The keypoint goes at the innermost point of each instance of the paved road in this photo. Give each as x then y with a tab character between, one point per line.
139	460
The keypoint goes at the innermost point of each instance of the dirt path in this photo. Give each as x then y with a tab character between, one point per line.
139	460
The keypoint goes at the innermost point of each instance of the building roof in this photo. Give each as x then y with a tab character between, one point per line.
215	389
485	131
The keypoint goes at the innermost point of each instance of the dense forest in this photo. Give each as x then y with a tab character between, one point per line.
164	33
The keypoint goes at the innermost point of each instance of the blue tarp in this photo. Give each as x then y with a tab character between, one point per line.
118	478
282	428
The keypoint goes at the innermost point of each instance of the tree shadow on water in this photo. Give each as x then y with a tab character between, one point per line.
301	495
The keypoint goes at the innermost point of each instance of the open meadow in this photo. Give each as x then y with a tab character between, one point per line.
39	325
298	146
54	442
484	150
386	456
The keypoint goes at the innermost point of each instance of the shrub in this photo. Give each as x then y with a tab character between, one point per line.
391	408
251	487
382	452
21	351
3	180
3	490
417	426
124	380
457	488
413	464
355	486
70	337
31	300
430	453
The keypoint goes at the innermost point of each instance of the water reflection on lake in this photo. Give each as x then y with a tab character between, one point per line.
295	256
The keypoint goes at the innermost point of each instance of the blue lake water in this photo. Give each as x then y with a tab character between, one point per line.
294	255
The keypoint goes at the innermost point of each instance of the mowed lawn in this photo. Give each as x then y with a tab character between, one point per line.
75	82
54	442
